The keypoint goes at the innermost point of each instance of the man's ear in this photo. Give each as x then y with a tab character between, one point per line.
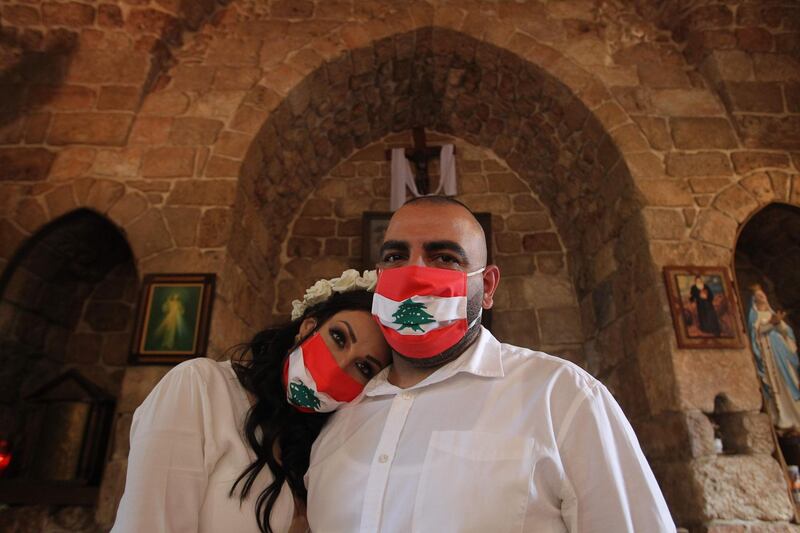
491	279
306	327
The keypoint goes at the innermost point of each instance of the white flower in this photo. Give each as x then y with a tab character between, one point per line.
298	308
347	281
368	280
318	292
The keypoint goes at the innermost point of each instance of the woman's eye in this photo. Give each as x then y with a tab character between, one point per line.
338	337
364	368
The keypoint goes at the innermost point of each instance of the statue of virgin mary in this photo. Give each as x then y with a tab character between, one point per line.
775	347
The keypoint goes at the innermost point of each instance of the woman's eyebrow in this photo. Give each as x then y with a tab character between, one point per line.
350	329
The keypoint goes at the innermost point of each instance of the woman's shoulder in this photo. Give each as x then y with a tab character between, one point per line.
202	368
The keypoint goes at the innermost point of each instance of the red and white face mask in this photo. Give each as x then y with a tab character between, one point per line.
313	379
422	311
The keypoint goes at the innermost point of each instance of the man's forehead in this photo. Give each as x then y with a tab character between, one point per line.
431	222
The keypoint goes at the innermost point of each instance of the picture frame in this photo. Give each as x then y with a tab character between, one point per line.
172	319
704	307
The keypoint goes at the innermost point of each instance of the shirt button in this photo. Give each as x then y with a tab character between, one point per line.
383	458
407	396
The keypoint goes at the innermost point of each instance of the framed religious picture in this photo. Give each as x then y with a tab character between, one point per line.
704	308
173	318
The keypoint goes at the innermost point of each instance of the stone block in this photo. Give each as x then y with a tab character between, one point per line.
771	132
109	129
182	222
194	131
655	129
508	242
709	185
137	383
192	78
541	242
215	227
560	325
168	161
759	97
759	185
666	224
516	327
776	67
21	15
745	162
25	164
70	14
339	247
716	228
516	265
107	316
109	16
747	487
736	202
60	201
698	164
151	130
525	203
686	102
232	144
118	98
148	234
505	182
167	103
127	208
531	222
667	193
103	194
62	98
702	133
315	227
84	348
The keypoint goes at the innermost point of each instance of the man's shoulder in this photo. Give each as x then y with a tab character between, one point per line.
547	367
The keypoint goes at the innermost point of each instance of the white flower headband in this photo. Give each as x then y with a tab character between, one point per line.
350	280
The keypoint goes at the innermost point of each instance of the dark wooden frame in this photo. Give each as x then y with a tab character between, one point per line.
138	356
677	310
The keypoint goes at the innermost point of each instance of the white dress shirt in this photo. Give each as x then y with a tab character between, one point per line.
502	439
187	449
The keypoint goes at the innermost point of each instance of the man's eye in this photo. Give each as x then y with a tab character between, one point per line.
449	259
392	257
338	337
364	368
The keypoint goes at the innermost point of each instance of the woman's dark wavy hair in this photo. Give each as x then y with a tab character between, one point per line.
279	423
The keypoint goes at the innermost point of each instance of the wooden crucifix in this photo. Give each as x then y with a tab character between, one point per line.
420	156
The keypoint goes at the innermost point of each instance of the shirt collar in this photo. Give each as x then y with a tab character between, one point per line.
483	359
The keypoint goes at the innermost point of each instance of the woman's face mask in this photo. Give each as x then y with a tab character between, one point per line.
313	379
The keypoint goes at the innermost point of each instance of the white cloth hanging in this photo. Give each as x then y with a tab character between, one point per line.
403	177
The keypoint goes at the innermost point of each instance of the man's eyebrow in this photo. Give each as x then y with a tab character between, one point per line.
452	246
394	245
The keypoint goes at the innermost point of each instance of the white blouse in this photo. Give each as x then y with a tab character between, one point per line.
187	449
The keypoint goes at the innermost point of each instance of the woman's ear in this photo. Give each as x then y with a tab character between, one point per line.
306	327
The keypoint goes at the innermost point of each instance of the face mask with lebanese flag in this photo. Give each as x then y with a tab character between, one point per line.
422	310
313	379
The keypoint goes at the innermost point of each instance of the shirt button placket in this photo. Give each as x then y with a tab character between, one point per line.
379	473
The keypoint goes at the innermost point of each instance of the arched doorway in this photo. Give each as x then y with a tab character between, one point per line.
66	301
767	264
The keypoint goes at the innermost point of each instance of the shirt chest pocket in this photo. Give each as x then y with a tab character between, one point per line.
473	481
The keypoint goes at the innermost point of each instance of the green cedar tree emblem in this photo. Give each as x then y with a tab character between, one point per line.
302	396
412	315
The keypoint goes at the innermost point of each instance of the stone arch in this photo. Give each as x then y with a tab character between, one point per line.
67	305
453	83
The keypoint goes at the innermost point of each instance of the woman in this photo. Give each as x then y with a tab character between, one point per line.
775	348
221	446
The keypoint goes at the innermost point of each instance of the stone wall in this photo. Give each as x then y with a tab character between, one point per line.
650	132
535	305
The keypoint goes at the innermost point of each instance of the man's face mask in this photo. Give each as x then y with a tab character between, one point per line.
314	380
422	311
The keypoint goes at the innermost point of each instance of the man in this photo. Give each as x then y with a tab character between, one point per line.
462	433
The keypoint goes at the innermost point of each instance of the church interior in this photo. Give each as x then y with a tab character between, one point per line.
626	158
